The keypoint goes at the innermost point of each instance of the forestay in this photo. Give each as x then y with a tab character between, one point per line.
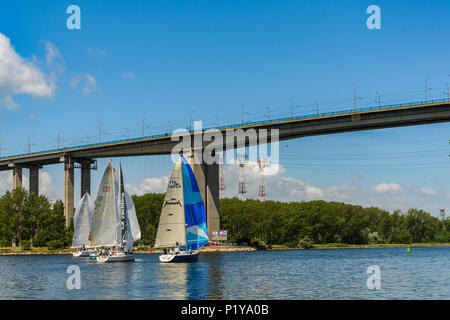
194	210
128	225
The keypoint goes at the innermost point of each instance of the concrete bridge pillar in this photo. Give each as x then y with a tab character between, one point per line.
17	176
85	176
212	197
34	179
207	176
68	190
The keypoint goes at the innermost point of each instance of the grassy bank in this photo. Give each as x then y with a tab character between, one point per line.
48	251
362	246
5	251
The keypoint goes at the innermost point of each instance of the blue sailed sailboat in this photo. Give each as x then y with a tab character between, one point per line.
182	223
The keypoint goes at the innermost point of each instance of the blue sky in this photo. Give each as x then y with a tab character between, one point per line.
157	61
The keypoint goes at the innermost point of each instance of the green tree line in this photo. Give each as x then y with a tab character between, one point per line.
30	219
276	222
27	219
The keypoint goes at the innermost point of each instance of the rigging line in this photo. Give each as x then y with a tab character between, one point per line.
306	165
356	157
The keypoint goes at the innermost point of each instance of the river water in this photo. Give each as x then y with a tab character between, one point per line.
298	274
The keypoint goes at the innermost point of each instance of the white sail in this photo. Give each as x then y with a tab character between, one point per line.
171	227
133	232
82	221
134	224
104	223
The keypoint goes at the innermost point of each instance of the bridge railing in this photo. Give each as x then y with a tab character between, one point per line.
246	123
324	114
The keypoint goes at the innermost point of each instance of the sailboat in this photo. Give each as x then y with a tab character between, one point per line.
82	224
114	224
182	223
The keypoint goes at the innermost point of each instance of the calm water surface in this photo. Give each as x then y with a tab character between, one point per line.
297	274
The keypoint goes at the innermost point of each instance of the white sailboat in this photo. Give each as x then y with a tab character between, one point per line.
182	223
115	223
82	224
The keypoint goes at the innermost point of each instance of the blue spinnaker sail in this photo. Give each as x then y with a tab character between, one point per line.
194	210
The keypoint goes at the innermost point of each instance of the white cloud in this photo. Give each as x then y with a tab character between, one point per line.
387	187
150	185
53	57
34	116
46	186
356	177
128	75
314	192
278	187
5	181
97	52
86	80
20	76
428	191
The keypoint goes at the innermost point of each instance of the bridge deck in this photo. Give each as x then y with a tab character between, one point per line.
324	123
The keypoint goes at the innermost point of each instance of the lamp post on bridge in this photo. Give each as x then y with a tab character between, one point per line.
29	145
448	92
379	99
100	133
190	121
143	127
243	113
354	96
292	105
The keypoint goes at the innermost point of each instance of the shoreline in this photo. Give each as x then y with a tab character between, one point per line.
45	251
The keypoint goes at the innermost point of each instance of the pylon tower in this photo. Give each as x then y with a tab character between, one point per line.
221	180
241	187
262	188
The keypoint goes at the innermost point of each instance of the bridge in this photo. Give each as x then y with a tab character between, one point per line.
83	156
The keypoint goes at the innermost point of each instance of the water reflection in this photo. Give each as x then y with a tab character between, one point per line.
216	276
199	280
324	274
111	280
173	278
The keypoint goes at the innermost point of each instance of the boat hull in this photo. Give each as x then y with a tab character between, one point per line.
122	257
83	254
183	257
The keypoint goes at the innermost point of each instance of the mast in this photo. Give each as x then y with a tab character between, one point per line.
185	225
123	210
196	232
